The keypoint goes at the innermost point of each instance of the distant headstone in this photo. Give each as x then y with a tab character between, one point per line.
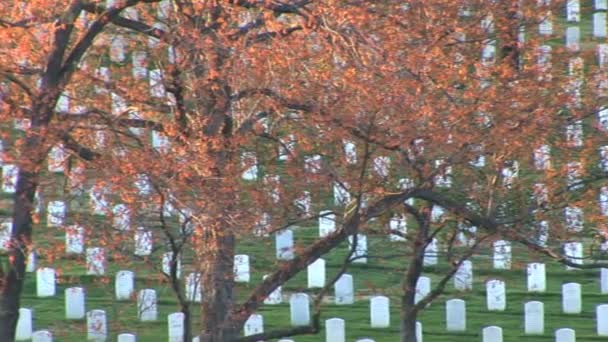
249	164
121	219
24	325
284	244
344	290
350	152
565	335
96	261
574	218
254	325
604	280
74	303
42	336
299	307
431	253
571	298
126	337
573	37
55	214
98	200
9	178
463	278
496	295
534	321
545	27
241	268
380	315
455	315
275	297
537	280
175	325
381	166
423	288
492	334
166	269
193	287
599	24
97	326
124	285
600	5
74	239
601	318
574	253
316	273
143	242
573	10
502	255
327	223
341	194
6	229
45	282
335	330
30	265
398	224
360	253
57	156
146	305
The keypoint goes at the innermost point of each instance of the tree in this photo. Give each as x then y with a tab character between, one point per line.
440	94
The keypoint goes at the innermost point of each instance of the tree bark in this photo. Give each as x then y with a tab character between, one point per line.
14	269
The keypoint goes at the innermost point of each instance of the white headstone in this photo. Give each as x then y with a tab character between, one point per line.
350	152
126	337
455	315
312	164
381	166
496	295
599	25
143	242
6	229
98	200
24	325
573	10
249	163
121	219
542	157
360	253
431	253
193	287
254	325
42	336
284	244
299	308
574	253
275	297
55	214
97	326
166	264
344	290
45	282
418	332
316	273
534	318
241	268
157	87
492	334
573	37
502	255
117	48
74	239
146	305
571	298
96	261
124	285
175	325
140	64
423	288
9	178
600	5
565	335
463	278
574	218
56	160
30	265
327	223
398	224
545	27
380	315
537	280
341	194
601	313
335	330
604	281
74	303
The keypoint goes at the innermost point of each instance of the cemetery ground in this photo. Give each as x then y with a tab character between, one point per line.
381	275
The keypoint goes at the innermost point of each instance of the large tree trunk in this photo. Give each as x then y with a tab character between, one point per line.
218	285
13	271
